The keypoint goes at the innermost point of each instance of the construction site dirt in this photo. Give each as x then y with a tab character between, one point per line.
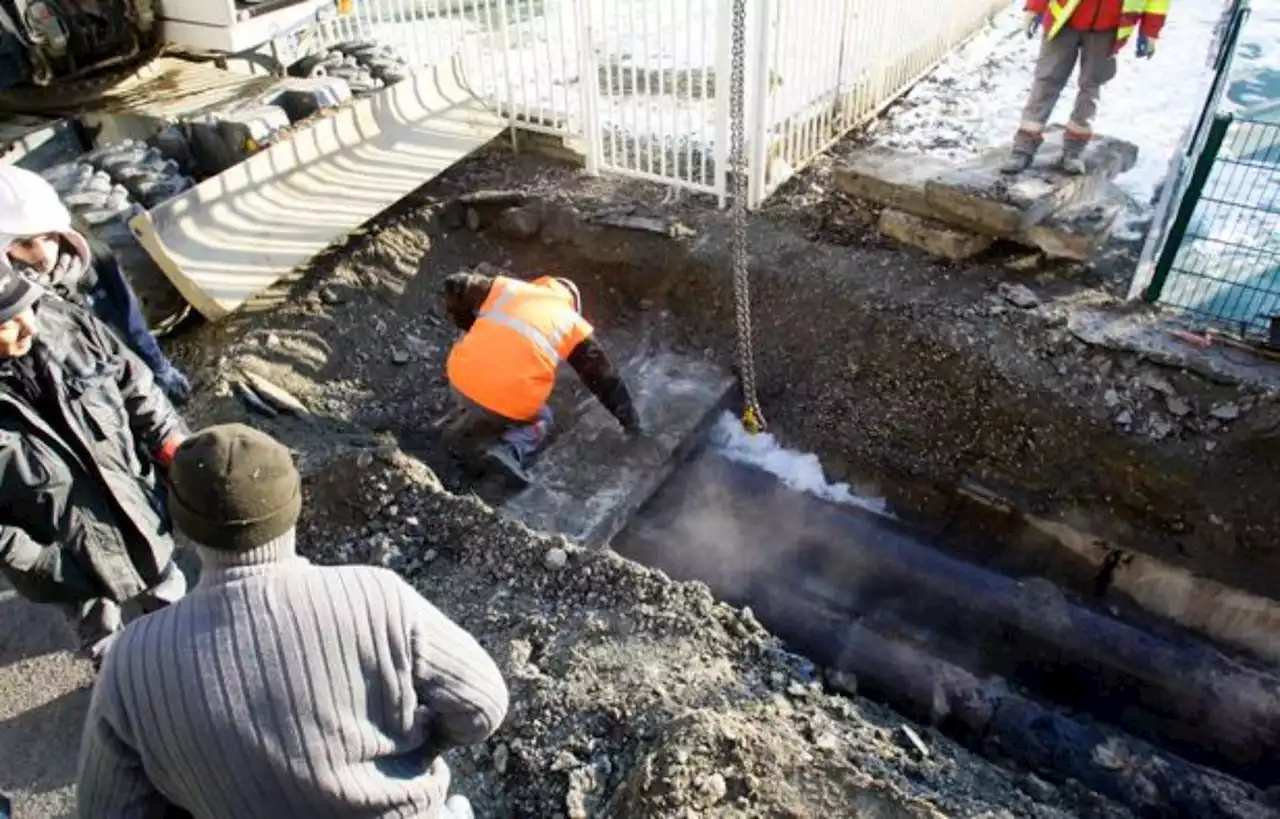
960	393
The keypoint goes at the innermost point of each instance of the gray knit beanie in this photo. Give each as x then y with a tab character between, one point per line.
16	292
233	488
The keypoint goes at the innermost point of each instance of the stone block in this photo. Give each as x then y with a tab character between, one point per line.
979	196
590	482
521	223
1080	230
892	178
931	235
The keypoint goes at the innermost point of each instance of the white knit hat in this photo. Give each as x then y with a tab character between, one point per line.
29	206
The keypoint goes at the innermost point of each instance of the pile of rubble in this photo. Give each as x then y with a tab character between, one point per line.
634	695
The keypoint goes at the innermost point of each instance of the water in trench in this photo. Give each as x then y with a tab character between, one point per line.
837	578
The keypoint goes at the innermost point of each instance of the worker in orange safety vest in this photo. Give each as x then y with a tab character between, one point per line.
503	371
1092	33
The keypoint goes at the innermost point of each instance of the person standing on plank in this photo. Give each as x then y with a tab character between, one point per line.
1089	33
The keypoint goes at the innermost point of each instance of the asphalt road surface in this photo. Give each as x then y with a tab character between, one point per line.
44	693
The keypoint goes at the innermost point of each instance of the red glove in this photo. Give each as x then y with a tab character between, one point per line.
164	454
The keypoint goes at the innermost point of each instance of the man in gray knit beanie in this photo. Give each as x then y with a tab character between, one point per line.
278	688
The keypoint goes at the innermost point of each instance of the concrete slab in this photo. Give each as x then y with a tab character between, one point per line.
232	236
978	195
1080	230
1152	336
932	236
591	481
893	178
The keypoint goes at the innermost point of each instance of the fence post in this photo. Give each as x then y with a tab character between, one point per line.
1187	207
504	21
723	139
589	71
758	119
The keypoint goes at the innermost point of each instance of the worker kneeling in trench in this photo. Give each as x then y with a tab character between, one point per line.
503	370
278	688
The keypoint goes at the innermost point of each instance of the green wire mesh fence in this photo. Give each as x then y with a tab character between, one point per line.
1221	259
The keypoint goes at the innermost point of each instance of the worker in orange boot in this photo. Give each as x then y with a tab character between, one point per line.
1091	33
504	369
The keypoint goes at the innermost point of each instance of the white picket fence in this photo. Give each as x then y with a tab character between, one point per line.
642	86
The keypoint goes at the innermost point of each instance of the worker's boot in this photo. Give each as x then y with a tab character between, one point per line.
1023	152
507	461
1072	160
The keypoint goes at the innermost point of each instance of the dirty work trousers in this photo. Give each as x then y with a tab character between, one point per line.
470	429
98	621
1058	58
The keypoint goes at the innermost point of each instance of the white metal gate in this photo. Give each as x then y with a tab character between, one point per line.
642	86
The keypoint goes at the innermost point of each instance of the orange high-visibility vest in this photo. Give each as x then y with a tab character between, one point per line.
507	361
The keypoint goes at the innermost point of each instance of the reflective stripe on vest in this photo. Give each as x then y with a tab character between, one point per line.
549	346
1060	12
1131	12
507	361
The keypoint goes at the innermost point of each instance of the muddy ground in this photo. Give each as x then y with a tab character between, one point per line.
632	695
910	377
914	376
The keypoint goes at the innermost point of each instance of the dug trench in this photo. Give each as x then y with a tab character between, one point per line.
1009	608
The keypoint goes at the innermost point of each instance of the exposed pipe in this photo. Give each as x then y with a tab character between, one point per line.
810	569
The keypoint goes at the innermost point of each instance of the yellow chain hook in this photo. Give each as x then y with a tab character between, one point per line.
751	421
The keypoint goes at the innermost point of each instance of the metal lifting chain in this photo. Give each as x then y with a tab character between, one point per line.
752	418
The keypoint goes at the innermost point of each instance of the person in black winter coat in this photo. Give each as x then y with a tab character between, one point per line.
83	522
37	236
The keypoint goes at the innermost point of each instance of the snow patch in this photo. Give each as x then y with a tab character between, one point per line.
799	471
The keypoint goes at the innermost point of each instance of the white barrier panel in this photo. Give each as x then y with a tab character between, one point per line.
231	237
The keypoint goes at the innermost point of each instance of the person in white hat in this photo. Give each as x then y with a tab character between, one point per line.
37	237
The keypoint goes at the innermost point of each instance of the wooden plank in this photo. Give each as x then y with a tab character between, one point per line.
233	236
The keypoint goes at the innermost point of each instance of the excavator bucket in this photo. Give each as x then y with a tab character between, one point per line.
228	239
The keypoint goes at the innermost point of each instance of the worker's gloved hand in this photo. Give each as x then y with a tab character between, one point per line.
1146	47
174	384
1031	23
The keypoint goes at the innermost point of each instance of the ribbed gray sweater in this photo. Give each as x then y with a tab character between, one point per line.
282	689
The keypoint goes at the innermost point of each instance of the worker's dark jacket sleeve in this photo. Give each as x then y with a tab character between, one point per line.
598	374
463	297
81	514
152	418
108	292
